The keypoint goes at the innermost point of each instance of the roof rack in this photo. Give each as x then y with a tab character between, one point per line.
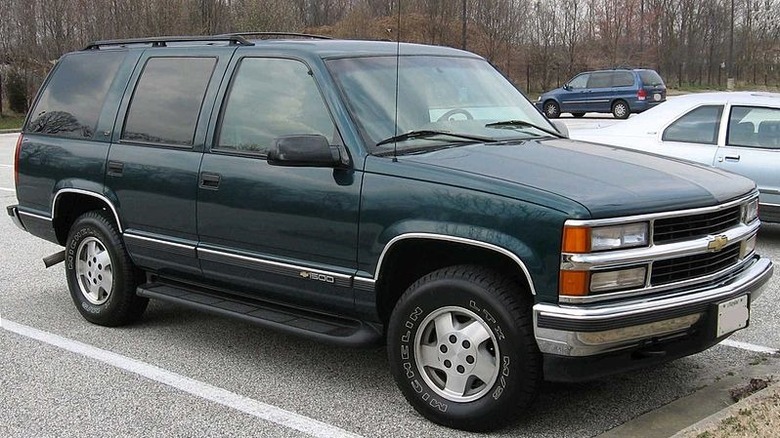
233	40
270	35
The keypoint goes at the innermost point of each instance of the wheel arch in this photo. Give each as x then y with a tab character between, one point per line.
411	255
70	203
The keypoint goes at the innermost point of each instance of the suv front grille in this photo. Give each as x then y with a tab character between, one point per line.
684	268
699	225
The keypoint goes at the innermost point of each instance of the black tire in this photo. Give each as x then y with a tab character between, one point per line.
620	109
551	109
508	357
578	115
101	276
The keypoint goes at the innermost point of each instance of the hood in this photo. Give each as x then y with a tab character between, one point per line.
606	180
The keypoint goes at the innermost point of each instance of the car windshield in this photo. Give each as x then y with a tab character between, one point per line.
460	96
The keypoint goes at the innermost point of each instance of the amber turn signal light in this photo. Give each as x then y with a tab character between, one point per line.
574	283
576	240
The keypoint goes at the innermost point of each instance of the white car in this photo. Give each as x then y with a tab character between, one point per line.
738	132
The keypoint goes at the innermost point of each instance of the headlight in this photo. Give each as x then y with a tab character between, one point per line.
617	280
750	211
587	239
539	99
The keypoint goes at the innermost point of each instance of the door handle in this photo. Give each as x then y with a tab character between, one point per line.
115	168
730	158
210	180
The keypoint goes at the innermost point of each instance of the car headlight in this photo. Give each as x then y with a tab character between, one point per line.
539	99
618	279
578	239
750	211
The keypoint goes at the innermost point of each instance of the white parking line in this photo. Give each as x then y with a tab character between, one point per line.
3	189
749	347
197	388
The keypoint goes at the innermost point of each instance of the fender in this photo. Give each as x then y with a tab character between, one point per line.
93	194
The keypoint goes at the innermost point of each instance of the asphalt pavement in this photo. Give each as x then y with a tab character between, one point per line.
178	372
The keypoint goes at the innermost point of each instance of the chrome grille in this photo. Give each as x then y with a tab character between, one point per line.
699	225
684	268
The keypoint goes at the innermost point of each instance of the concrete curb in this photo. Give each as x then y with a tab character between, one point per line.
9	131
715	419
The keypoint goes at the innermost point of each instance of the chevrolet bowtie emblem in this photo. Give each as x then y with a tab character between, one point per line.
717	243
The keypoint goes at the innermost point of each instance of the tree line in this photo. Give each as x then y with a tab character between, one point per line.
538	44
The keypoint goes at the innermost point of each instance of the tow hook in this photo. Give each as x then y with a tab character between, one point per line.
53	259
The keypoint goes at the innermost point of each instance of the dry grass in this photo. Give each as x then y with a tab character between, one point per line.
759	418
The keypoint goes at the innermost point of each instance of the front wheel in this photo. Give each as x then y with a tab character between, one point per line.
462	350
101	277
551	109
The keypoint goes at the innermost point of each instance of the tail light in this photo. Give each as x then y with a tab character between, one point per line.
16	160
641	94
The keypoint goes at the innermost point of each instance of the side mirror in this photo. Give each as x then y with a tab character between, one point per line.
561	127
310	150
567	87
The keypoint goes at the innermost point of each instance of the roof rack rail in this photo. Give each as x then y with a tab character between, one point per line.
276	34
233	40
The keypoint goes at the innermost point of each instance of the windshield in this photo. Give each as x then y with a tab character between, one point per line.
446	94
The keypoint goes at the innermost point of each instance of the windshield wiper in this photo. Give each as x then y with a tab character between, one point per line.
523	123
427	133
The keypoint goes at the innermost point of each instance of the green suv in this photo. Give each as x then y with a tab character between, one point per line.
361	192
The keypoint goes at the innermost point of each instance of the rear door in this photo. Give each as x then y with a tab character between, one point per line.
752	149
287	234
153	163
653	85
600	92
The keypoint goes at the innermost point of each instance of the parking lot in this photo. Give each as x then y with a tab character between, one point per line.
182	373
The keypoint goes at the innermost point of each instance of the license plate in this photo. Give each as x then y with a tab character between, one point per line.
657	96
733	315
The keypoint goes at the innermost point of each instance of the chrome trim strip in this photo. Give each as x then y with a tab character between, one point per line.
766	204
295	270
454	239
132	235
88	193
364	284
660	215
599	260
563	342
33	215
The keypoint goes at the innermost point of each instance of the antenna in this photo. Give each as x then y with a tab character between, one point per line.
397	75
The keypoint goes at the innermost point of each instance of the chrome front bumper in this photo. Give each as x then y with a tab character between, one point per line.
568	330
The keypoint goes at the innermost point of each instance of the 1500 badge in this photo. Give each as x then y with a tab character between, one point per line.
318	277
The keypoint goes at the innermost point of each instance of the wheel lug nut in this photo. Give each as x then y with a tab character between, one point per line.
466	344
443	348
470	359
461	369
447	363
453	339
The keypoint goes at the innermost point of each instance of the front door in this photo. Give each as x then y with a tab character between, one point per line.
284	233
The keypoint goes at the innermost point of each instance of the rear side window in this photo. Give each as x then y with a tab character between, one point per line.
698	126
754	127
622	79
70	104
167	100
650	77
600	80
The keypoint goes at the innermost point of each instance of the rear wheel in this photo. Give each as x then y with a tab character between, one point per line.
551	109
620	110
101	277
462	350
578	115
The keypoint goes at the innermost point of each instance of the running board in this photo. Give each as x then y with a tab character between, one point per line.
321	327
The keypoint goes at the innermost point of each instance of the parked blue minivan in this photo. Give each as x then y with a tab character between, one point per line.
618	91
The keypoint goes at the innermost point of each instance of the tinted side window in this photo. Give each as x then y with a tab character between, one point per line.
70	104
697	126
579	82
650	77
600	80
754	126
622	79
270	98
167	100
